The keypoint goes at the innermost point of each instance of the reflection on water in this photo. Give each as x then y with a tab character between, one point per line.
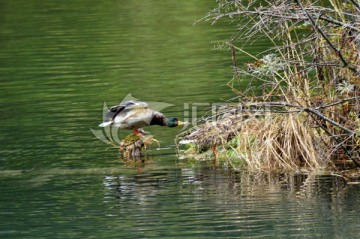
61	60
161	200
211	202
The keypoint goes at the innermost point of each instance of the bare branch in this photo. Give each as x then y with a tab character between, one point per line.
317	113
338	52
356	4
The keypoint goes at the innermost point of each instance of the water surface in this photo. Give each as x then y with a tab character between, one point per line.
61	60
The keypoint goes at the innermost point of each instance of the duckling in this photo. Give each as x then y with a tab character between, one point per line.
212	134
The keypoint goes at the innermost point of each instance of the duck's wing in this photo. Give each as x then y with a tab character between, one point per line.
120	107
113	112
127	106
124	107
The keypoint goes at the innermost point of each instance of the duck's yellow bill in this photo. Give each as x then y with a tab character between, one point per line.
181	123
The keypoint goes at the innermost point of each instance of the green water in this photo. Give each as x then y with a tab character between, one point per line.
61	60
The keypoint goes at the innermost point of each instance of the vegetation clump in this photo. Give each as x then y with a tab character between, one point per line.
134	146
298	102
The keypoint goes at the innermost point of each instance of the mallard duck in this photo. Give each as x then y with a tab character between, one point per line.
213	133
136	114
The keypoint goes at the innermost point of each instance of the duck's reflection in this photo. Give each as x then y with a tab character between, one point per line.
137	188
208	197
221	184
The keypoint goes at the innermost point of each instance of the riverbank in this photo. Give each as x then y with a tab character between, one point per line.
300	107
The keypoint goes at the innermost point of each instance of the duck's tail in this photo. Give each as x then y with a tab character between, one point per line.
104	124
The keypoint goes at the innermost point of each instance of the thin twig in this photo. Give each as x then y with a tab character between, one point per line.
338	52
337	141
317	113
356	4
299	109
338	23
336	103
233	57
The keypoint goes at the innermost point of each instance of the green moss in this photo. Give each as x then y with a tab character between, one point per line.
131	138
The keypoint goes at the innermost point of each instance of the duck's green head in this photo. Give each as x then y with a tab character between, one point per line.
159	119
173	122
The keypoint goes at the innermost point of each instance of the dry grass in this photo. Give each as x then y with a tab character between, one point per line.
312	71
269	142
278	142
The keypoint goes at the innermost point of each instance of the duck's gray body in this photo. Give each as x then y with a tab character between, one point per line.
129	115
